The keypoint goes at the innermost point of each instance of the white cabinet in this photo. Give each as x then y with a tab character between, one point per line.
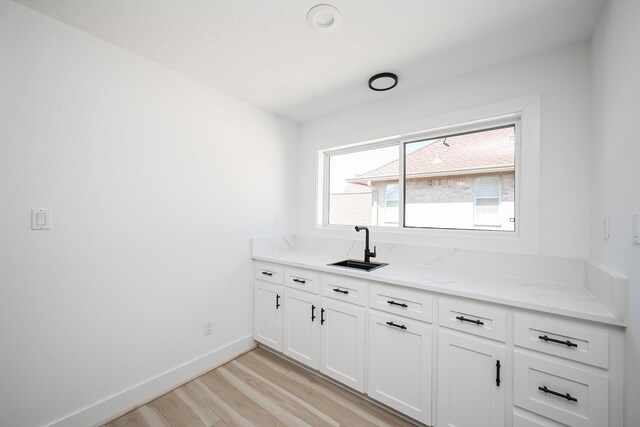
327	335
471	381
400	364
268	314
563	391
377	338
302	327
343	341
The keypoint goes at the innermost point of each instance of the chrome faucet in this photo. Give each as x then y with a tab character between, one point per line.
367	253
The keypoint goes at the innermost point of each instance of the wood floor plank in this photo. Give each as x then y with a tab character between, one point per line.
236	408
385	418
288	401
152	417
176	411
206	414
259	388
226	412
130	419
307	377
266	399
325	396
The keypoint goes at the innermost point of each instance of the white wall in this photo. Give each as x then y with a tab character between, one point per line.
156	183
616	171
562	80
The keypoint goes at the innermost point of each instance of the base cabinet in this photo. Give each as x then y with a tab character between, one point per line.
400	364
302	327
343	341
268	314
471	381
379	339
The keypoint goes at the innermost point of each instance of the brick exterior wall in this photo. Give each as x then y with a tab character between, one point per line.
351	209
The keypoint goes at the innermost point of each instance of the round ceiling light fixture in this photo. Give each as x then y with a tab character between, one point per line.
383	81
323	17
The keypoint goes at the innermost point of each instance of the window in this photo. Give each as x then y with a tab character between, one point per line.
354	198
391	203
487	201
461	179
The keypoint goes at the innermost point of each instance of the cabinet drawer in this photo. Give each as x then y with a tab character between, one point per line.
403	301
306	280
269	272
562	337
476	318
345	289
530	420
561	391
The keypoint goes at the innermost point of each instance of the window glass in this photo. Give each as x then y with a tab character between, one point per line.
358	187
463	181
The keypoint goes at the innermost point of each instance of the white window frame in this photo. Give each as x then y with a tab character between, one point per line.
527	204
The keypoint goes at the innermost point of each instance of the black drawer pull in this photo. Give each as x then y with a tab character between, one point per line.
555	393
322	319
341	291
396	325
313	313
266	273
299	281
464	319
277	301
567	342
399	304
498	373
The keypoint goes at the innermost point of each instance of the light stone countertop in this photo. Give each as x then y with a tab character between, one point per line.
567	299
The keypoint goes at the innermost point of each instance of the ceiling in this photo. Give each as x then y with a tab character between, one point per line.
264	51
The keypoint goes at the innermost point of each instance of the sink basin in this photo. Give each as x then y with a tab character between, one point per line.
358	265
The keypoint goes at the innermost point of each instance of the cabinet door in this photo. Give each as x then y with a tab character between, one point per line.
343	343
400	364
268	314
302	327
469	393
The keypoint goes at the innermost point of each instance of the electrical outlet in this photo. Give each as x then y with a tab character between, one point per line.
208	328
606	224
636	228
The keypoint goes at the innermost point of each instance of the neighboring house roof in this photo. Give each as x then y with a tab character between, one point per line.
473	153
355	188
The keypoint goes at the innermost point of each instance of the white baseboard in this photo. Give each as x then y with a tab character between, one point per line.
127	400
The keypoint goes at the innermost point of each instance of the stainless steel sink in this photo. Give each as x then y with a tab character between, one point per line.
358	265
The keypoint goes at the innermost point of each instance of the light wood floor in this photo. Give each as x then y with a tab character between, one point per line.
258	389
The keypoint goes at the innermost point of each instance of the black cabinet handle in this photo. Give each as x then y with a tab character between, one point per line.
322	319
464	319
341	291
277	301
399	304
313	314
498	373
266	273
567	342
299	281
555	393
396	325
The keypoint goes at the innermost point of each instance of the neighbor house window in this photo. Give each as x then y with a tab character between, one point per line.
463	178
487	201
391	203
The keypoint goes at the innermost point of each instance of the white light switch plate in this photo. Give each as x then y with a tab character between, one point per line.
636	228
40	219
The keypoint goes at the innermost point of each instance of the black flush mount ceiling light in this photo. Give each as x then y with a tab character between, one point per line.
383	81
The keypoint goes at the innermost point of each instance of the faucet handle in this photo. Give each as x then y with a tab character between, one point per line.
373	254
